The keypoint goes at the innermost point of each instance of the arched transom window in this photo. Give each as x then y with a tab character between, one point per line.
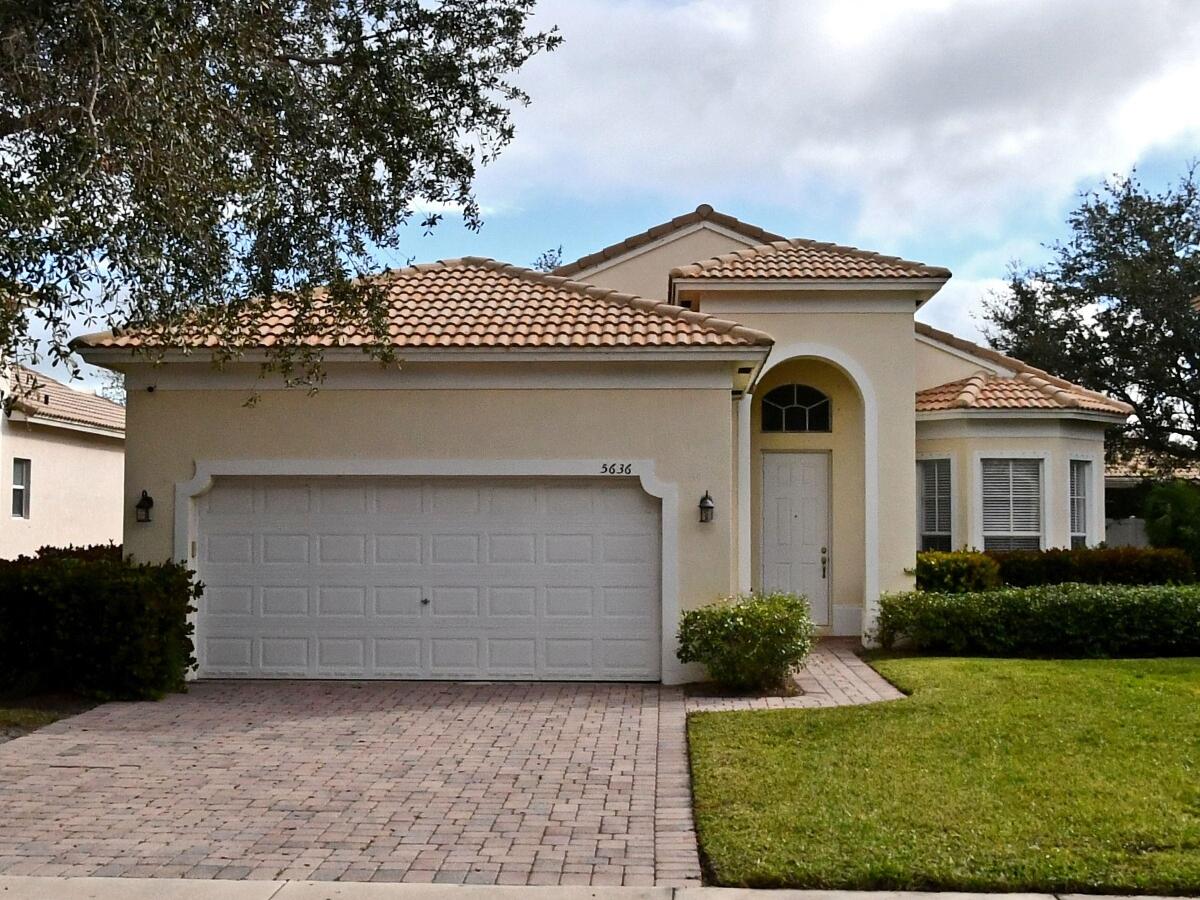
795	407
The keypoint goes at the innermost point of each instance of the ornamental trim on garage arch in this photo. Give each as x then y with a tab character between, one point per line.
796	409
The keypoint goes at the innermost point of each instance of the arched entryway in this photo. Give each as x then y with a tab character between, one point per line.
810	478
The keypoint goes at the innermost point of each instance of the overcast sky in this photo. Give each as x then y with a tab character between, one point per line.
957	133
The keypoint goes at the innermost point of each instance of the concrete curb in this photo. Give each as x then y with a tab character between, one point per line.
28	887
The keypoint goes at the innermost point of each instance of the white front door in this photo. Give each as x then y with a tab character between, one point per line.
491	578
795	532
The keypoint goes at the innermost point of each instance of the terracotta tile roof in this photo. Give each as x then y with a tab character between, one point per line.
482	303
801	258
1097	401
39	396
987	390
702	213
1144	465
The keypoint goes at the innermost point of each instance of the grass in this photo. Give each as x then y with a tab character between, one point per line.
21	714
994	775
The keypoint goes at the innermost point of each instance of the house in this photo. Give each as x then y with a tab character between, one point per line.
62	452
561	463
1128	480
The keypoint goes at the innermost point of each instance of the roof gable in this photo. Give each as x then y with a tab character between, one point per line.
800	258
701	214
481	303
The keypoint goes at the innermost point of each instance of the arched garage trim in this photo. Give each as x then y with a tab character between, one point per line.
667	492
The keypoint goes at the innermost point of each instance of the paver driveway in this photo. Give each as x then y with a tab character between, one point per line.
391	781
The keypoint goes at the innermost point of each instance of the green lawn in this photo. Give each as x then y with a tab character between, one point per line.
20	714
993	775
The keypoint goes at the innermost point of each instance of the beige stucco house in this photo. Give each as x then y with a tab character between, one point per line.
62	451
522	496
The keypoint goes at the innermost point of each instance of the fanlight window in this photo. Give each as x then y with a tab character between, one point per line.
795	407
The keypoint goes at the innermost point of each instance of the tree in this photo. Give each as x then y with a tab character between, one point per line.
549	260
1113	310
113	388
169	162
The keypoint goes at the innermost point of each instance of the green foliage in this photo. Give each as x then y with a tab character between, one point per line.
1112	310
996	775
91	551
955	573
969	570
748	642
96	625
1172	516
163	159
1094	565
1065	620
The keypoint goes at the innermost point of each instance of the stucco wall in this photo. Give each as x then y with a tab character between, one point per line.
1055	441
936	365
76	483
645	273
863	346
684	430
845	445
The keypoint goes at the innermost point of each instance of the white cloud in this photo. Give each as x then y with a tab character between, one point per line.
958	307
931	114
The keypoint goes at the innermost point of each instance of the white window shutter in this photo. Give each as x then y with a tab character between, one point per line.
1012	504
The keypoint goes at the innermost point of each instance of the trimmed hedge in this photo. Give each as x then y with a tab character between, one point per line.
749	642
1095	565
95	625
970	570
956	573
1066	620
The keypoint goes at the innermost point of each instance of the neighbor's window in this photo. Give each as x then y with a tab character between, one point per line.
795	408
20	489
933	503
1012	504
1081	472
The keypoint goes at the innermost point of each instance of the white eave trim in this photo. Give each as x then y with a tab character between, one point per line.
964	413
748	352
932	285
18	416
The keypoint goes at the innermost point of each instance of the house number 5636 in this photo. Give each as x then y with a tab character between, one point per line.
616	468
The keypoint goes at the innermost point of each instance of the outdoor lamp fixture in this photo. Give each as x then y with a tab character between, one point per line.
143	506
707	507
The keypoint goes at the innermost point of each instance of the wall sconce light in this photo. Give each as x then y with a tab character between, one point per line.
707	507
143	506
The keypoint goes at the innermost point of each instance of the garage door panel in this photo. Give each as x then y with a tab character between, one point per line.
523	578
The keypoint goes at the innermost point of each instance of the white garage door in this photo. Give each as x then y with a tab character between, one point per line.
429	578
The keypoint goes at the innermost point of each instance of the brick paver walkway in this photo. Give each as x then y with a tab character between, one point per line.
833	675
387	781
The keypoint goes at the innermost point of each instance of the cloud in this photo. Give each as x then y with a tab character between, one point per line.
958	307
927	115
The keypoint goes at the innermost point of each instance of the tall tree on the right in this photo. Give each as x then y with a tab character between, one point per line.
1114	310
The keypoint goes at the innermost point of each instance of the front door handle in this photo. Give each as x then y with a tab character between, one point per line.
824	564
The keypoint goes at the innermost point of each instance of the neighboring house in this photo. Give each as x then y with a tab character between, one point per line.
62	454
563	462
1127	482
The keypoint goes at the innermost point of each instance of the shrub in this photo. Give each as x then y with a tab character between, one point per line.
100	627
1067	620
89	551
955	573
1094	565
748	642
1172	516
